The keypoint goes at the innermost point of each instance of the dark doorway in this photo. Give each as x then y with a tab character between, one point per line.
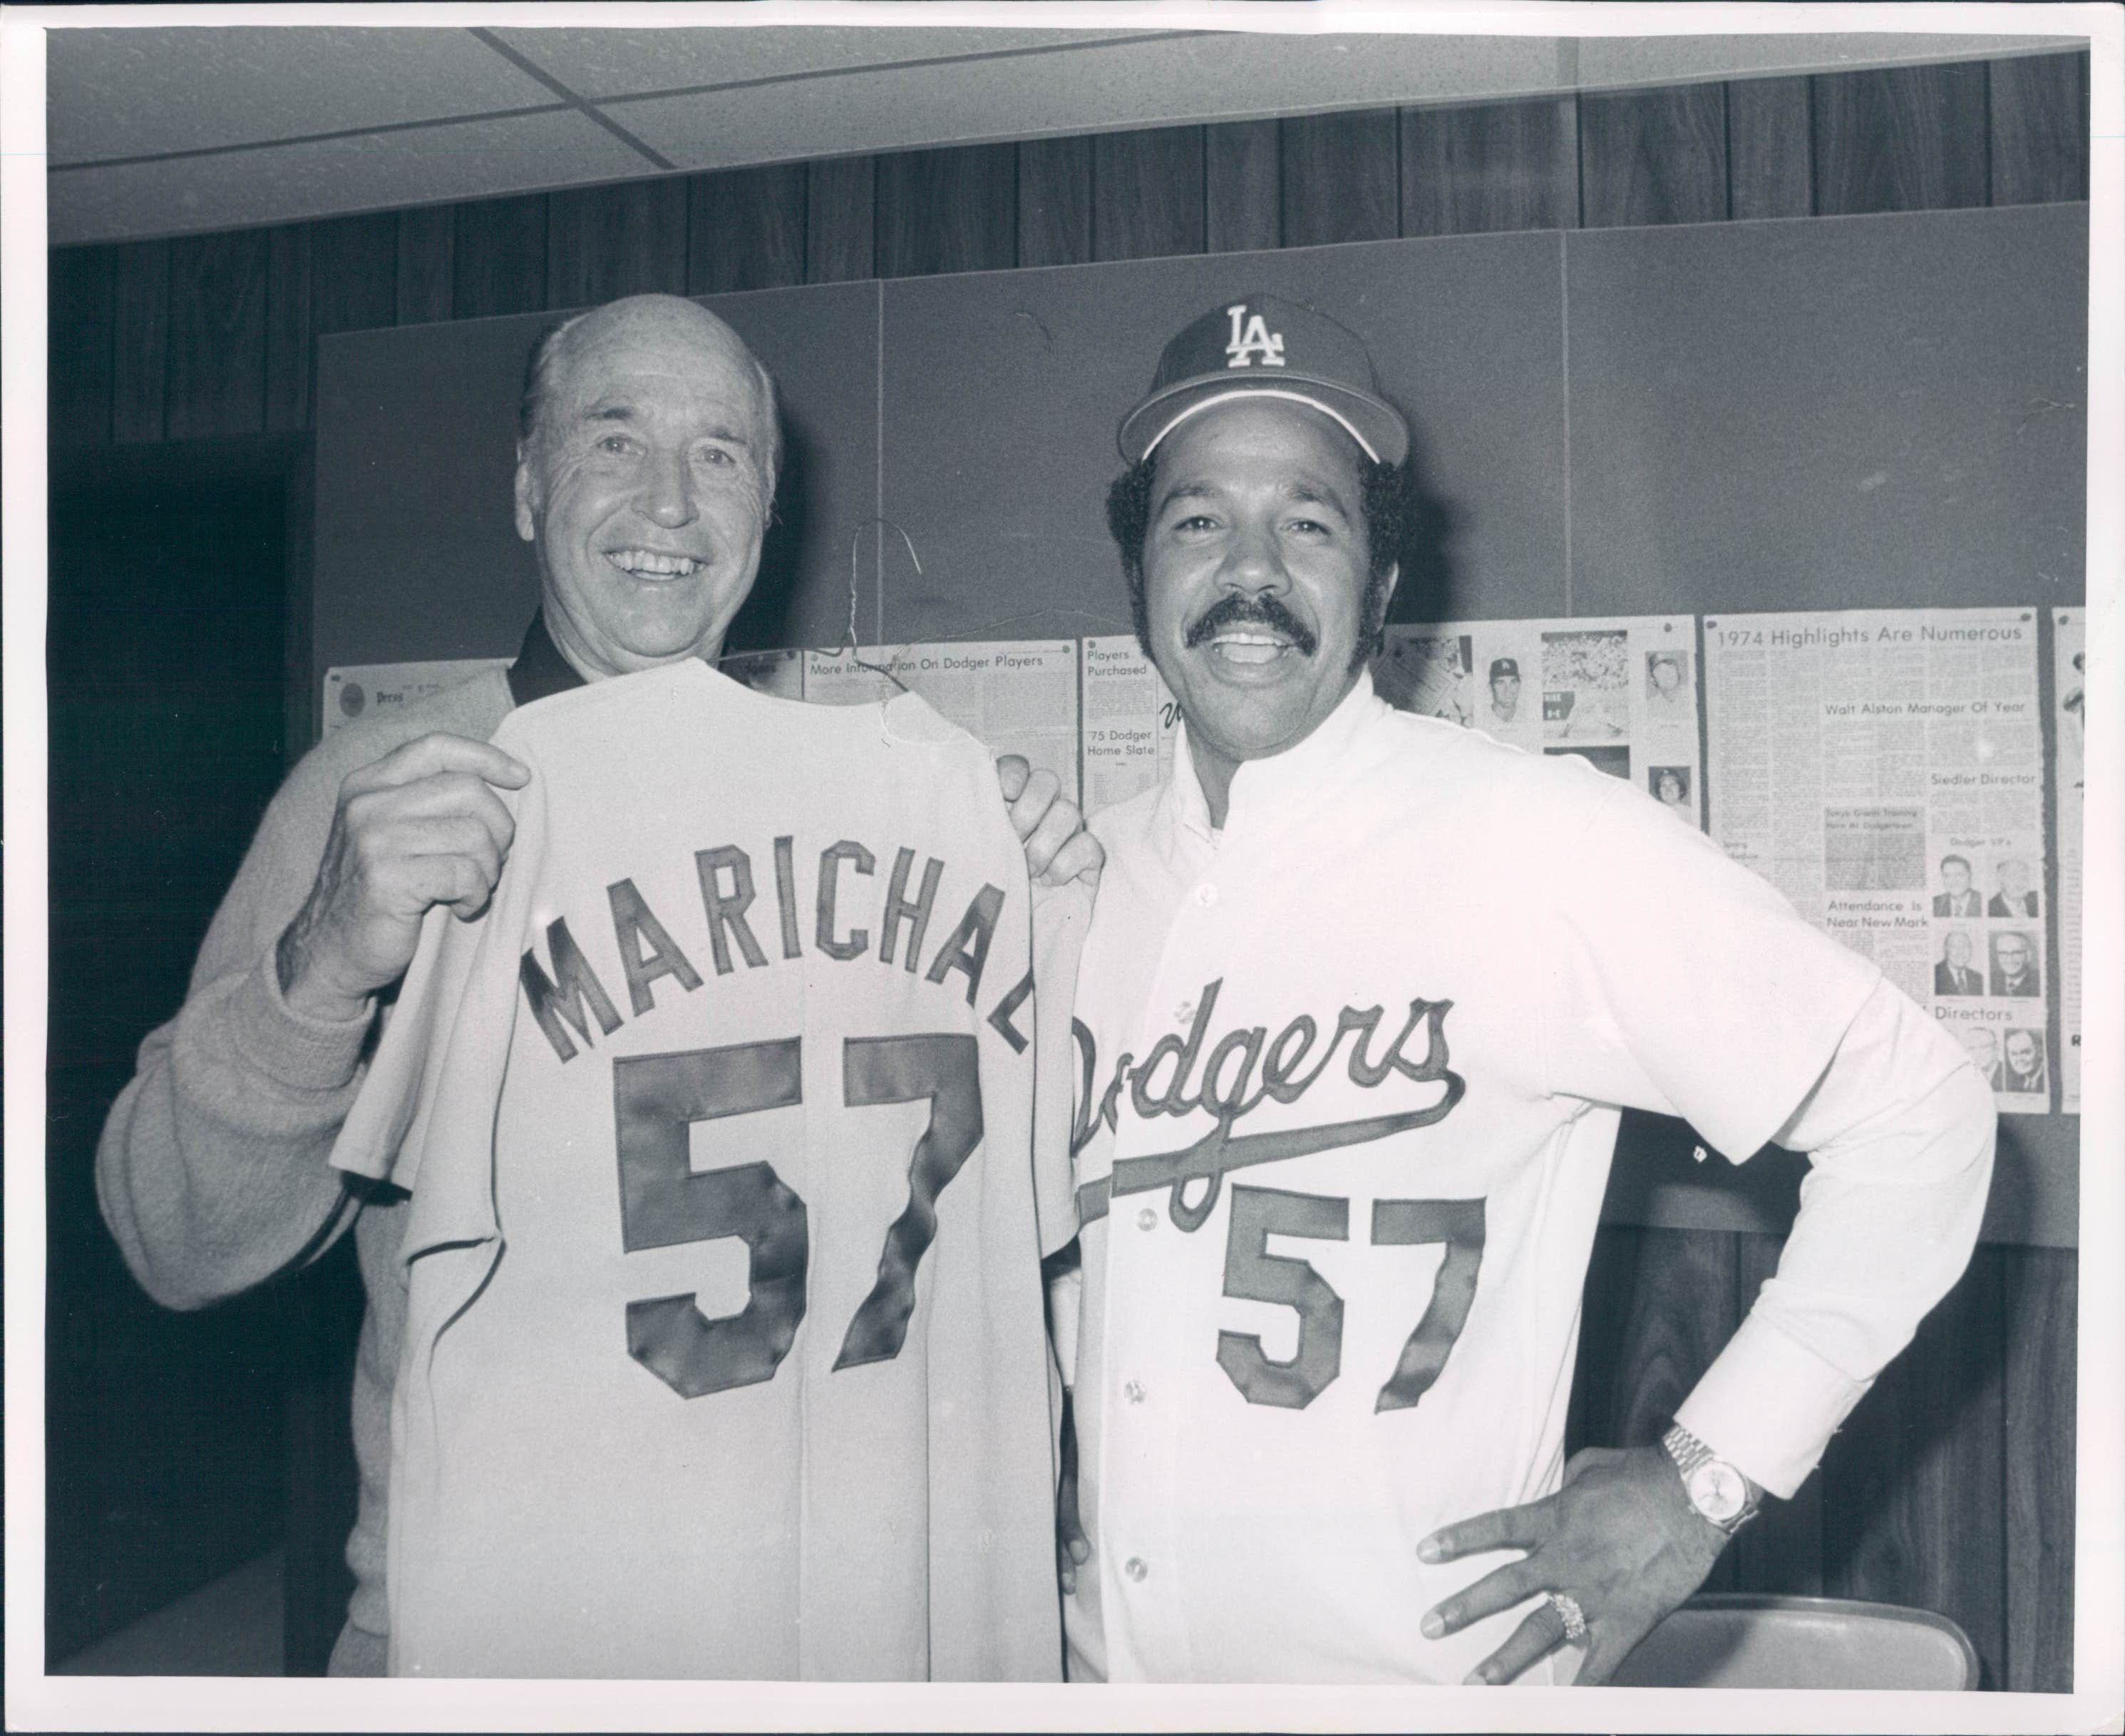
165	1433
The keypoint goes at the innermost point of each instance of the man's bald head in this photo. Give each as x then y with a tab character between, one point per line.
672	323
645	479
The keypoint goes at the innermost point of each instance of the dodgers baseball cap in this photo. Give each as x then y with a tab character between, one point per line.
1501	667
1264	344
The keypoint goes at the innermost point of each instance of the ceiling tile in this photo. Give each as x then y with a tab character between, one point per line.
1136	84
1616	61
621	62
138	93
372	171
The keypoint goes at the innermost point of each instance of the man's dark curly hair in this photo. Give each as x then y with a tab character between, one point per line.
1383	501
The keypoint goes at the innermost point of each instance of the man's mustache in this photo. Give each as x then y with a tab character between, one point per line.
1234	610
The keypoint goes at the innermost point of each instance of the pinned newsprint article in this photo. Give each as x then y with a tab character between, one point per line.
1130	721
780	674
1884	770
1621	693
2069	688
363	690
357	691
1012	695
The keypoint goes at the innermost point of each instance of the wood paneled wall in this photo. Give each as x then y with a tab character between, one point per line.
1952	1486
211	335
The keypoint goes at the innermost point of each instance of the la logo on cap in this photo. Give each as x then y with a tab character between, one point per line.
1252	340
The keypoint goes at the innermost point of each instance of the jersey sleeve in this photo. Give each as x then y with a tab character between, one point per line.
424	1120
1900	1135
373	1141
1681	983
1062	916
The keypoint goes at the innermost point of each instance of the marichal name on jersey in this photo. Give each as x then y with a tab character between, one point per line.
573	993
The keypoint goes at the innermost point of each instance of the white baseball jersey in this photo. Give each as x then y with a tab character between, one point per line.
725	1353
1348	1075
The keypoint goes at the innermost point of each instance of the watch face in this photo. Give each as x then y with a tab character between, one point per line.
1717	1491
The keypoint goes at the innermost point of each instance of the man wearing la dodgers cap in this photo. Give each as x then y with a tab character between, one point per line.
1241	350
1505	688
1364	998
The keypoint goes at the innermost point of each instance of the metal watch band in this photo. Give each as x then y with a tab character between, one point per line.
1688	1453
1686	1449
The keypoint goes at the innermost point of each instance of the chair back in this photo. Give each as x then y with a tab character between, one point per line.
1745	1640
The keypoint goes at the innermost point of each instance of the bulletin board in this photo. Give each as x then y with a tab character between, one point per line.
1879	412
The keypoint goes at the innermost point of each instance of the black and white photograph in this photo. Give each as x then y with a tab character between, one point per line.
1428	674
2015	892
1670	788
1613	758
2014	971
1954	973
2021	1063
1504	710
1586	686
631	1139
1959	894
1667	697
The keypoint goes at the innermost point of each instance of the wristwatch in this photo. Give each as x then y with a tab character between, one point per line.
1722	1494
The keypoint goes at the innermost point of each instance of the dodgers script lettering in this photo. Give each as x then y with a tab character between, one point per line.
1244	1069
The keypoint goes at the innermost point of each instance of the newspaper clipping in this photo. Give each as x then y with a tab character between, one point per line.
1130	722
2069	640
778	674
1620	692
362	689
1883	769
1013	695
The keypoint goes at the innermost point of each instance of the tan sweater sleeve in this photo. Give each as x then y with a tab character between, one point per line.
213	1172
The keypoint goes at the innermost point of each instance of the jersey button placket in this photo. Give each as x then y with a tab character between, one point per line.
1167	1334
1128	1475
1148	1264
1209	936
1144	1264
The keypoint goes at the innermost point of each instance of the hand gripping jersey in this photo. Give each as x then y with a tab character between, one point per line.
725	1353
1349	1078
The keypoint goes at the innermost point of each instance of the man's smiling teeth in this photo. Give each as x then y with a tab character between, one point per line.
1249	648
644	561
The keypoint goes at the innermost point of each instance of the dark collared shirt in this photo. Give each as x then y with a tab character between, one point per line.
540	671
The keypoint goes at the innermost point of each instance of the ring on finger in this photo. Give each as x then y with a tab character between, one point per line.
1568	1611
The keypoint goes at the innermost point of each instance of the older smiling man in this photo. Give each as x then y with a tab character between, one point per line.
647	460
1363	996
